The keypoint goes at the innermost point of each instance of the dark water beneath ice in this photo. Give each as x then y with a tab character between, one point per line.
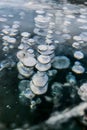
12	112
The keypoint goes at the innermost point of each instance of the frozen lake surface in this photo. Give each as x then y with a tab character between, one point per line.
67	88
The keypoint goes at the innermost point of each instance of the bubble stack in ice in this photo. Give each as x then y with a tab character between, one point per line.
26	63
41	23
